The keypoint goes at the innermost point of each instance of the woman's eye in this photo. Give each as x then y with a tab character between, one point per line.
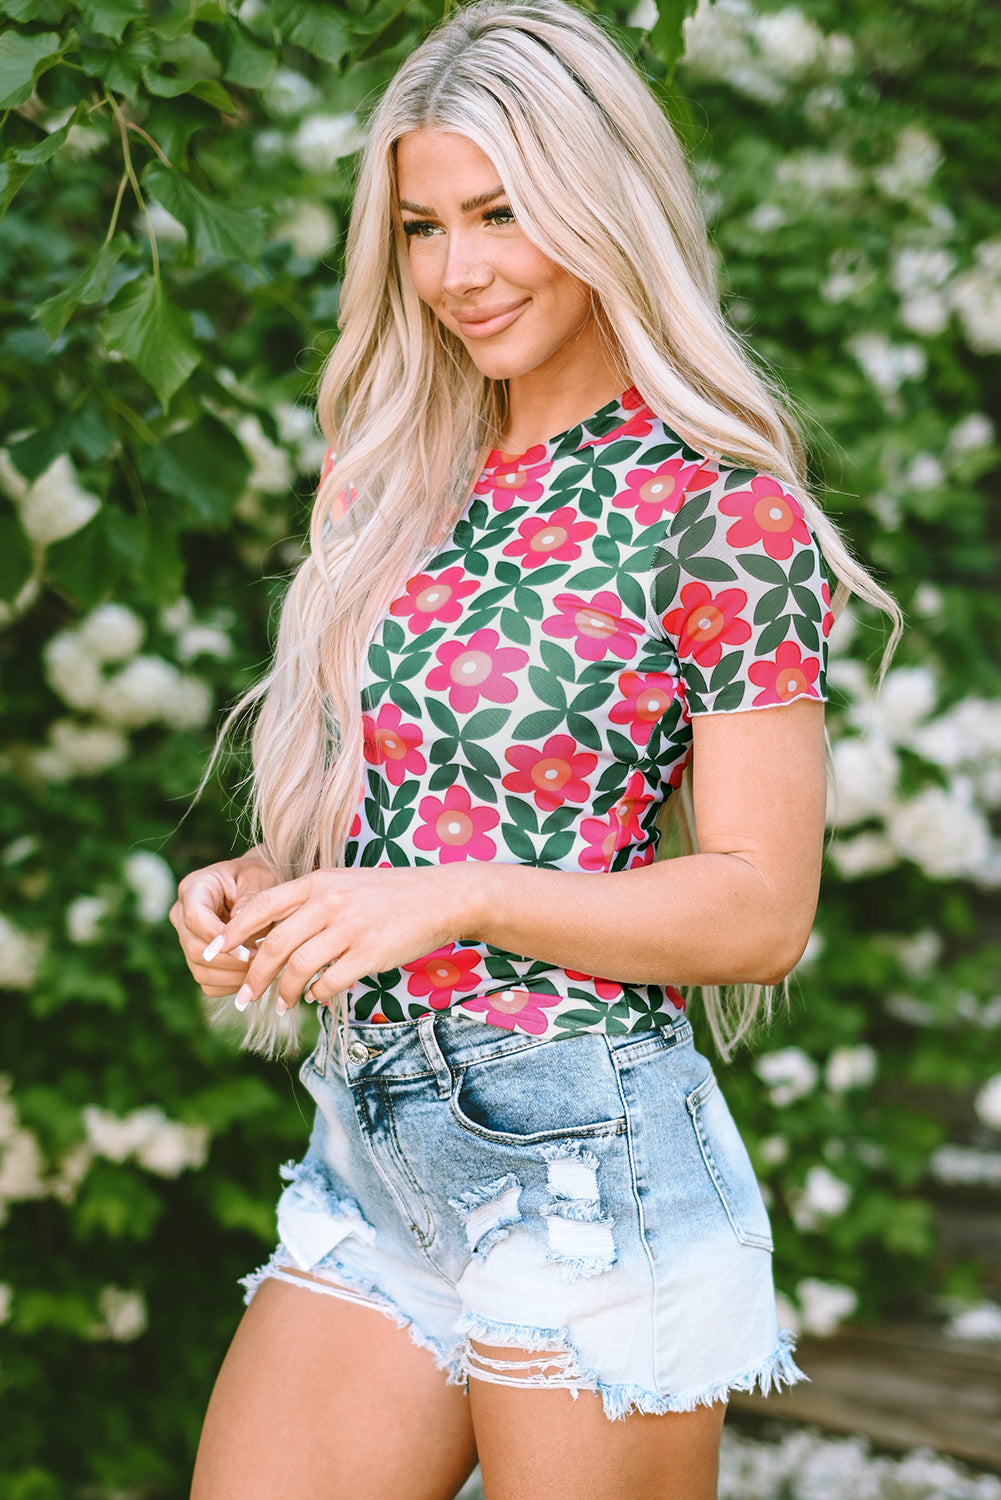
503	215
421	229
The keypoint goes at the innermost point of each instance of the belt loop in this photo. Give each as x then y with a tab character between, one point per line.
434	1055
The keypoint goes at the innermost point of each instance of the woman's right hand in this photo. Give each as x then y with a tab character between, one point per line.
206	900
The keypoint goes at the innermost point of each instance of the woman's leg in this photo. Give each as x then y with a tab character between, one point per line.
323	1399
543	1445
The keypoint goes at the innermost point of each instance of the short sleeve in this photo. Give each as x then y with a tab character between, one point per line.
741	592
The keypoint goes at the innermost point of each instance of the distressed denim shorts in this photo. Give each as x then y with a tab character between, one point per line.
587	1200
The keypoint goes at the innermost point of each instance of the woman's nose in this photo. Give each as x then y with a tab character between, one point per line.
466	267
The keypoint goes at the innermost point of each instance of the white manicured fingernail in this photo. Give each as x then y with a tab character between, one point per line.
280	1007
244	995
243	954
214	948
240	1004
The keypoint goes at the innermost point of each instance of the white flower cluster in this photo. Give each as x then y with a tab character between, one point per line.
789	1074
820	1307
822	1197
152	883
165	1147
944	829
806	1465
96	668
272	471
981	1321
53	507
22	1166
121	1315
988	1102
976	298
20	955
965	1166
764	56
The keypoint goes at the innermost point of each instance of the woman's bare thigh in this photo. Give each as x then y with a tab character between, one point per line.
543	1445
323	1399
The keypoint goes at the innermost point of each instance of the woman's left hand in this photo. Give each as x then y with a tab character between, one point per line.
339	925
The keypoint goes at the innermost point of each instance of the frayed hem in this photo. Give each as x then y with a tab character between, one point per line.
355	1289
778	1370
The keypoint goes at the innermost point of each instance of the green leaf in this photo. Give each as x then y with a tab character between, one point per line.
84	567
13	176
15	556
90	286
316	28
22	59
144	325
214	227
110	17
205	467
48	146
249	65
209	90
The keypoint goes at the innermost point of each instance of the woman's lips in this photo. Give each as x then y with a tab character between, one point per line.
486	321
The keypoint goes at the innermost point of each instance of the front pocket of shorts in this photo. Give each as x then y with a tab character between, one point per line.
545	1093
729	1165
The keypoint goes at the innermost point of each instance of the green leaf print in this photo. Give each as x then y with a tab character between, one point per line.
508	574
724	671
560	818
771	603
772	636
618	527
442	752
484	723
593	695
522	814
762	567
739	479
476	562
548	574
591	505
400	822
441	780
480	757
558	660
730	698
405	794
710	569
665	582
695	680
547	688
378	661
404	699
592	578
697	538
393	636
583	731
538	725
528	603
410	666
808	603
519	843
632	595
515	627
692	511
807	632
802	567
442	717
605	483
606	550
572	1019
482	788
623	749
556	848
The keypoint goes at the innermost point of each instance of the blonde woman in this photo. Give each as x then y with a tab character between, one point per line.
564	553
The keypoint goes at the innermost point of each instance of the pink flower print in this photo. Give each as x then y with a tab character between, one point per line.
476	669
510	477
513	1009
674	997
651	492
605	989
828	620
638	425
644	698
328	464
441	973
554	538
605	836
392	743
355	828
595	625
456	828
789	676
768	514
554	775
707	622
429	598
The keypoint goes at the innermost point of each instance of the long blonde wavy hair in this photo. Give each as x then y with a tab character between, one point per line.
597	179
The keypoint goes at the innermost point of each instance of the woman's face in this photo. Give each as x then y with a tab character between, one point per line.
516	311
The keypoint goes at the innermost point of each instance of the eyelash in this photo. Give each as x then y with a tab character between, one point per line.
413	228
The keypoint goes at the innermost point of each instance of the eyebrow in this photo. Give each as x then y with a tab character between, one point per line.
470	205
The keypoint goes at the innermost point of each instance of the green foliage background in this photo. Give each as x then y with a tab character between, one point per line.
176	178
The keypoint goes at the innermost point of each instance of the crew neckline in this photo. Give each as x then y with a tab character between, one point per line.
497	457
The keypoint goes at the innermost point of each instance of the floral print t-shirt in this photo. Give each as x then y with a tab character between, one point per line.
529	698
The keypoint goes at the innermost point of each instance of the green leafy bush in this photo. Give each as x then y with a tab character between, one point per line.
176	184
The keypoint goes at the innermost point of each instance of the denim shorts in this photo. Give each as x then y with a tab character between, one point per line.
586	1200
